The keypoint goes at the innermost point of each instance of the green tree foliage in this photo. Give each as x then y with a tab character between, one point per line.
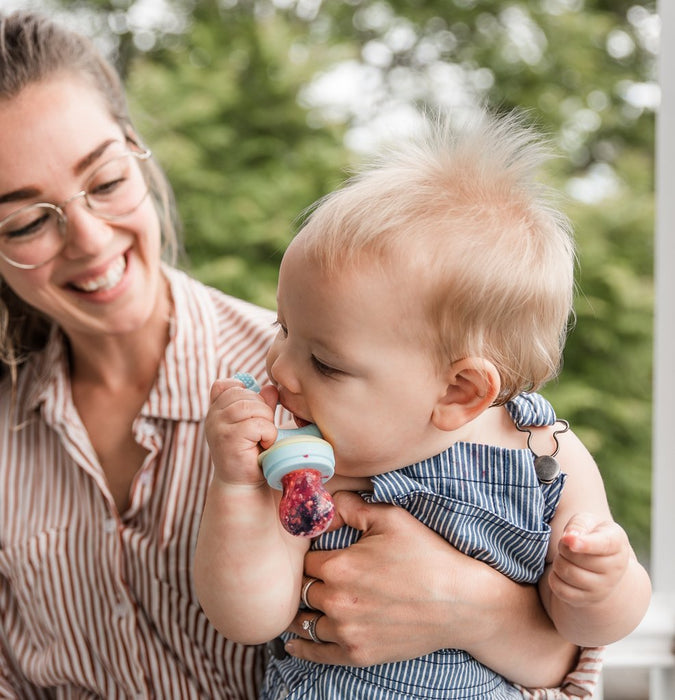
224	91
235	142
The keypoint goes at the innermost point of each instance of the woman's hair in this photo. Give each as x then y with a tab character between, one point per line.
457	213
33	48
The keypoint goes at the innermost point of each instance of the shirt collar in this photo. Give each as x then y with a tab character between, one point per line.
190	363
188	368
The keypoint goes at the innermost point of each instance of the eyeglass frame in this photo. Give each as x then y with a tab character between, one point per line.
143	155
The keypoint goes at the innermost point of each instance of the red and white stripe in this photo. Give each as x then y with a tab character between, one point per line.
94	604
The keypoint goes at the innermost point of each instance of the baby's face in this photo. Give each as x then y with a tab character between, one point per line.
350	356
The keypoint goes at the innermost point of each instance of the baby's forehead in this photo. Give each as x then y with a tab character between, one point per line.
367	281
331	255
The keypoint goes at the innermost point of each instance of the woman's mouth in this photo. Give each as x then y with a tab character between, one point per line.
107	280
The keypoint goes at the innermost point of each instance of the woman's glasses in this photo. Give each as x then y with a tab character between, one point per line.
35	234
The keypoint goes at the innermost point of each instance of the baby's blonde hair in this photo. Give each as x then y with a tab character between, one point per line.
460	209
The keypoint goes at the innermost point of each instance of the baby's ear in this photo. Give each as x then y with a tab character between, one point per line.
472	385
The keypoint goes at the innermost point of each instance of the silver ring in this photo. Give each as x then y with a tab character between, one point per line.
305	588
310	627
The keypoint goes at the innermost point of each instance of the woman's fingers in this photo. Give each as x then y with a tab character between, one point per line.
307	583
312	626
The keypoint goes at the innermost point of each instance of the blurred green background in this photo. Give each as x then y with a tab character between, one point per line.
256	109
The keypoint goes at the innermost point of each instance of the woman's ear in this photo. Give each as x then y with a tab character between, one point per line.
472	385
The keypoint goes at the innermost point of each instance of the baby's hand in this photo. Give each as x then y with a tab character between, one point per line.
238	423
592	557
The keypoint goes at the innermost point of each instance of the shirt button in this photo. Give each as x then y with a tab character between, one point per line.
110	525
121	609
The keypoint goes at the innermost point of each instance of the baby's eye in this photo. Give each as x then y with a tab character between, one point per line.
323	368
282	329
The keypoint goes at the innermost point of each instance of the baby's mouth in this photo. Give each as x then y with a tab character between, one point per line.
300	422
286	405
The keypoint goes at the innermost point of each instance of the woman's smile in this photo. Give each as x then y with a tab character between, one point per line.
102	281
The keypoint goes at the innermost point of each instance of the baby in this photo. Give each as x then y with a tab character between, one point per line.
419	308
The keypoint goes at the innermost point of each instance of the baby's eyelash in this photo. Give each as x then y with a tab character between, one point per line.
278	324
323	368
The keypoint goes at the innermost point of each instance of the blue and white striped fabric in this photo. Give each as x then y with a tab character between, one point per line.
487	502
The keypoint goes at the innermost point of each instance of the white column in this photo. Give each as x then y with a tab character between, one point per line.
663	464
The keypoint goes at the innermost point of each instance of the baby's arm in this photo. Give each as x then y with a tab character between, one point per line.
594	589
247	569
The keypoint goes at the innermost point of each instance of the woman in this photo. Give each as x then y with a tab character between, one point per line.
108	355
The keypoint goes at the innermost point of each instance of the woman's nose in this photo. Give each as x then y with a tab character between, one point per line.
86	234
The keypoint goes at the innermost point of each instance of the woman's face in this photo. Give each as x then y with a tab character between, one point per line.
106	280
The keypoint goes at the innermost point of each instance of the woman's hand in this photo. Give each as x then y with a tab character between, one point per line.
402	591
369	612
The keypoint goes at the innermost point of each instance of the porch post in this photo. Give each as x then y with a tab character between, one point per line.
662	679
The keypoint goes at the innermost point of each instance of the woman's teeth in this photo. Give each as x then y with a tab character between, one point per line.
105	281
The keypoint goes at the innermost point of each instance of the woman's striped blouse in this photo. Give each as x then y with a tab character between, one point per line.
94	604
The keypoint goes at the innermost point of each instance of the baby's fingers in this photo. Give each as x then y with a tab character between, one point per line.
237	408
222	386
590	575
574	585
585	534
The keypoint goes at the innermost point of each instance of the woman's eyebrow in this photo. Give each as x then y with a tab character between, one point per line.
91	157
80	167
18	195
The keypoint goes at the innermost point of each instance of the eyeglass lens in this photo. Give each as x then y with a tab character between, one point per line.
35	234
